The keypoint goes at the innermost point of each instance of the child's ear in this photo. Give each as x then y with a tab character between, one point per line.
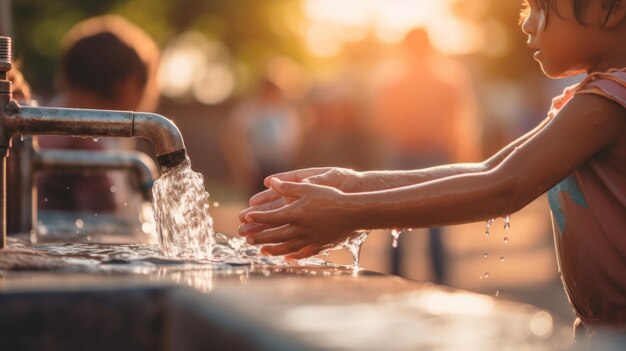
618	12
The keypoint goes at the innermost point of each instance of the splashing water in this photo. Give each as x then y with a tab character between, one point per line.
489	222
185	226
354	244
395	235
507	222
181	212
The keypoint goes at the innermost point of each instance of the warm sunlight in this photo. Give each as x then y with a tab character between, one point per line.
332	23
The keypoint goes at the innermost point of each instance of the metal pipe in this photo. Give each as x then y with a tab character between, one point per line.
3	197
138	162
5	18
20	191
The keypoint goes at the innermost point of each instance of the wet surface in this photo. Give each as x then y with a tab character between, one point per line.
244	304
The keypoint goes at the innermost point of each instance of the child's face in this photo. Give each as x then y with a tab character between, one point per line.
564	46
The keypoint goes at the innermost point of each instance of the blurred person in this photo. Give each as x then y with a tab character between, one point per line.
106	63
577	155
425	113
338	122
262	137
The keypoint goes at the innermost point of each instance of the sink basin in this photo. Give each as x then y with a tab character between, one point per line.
254	308
123	318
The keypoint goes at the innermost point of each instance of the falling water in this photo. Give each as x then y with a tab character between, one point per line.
488	223
395	235
181	212
507	222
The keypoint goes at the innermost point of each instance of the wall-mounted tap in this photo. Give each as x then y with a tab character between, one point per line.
23	120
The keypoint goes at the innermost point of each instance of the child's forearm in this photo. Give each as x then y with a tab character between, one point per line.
383	180
447	201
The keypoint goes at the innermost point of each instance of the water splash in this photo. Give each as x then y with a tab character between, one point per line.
507	222
181	212
395	235
489	222
354	244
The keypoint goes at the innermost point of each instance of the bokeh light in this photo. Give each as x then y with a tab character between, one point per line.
194	67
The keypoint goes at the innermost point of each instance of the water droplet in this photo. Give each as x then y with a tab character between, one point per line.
507	222
497	292
22	137
113	188
486	274
506	239
67	188
125	204
96	214
96	139
488	229
79	223
485	255
45	199
395	235
216	204
501	258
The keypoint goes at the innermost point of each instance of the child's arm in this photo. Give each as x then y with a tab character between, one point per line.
317	216
349	181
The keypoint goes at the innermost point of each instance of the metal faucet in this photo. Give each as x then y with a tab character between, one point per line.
22	120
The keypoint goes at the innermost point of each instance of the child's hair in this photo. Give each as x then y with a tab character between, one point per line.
578	7
101	52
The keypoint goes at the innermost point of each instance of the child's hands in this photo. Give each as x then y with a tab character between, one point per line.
311	218
342	179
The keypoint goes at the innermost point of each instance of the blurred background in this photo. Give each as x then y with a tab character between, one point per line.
263	86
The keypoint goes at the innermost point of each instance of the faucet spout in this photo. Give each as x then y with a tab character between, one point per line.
168	141
165	136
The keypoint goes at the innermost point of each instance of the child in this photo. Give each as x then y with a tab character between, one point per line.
578	153
108	63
